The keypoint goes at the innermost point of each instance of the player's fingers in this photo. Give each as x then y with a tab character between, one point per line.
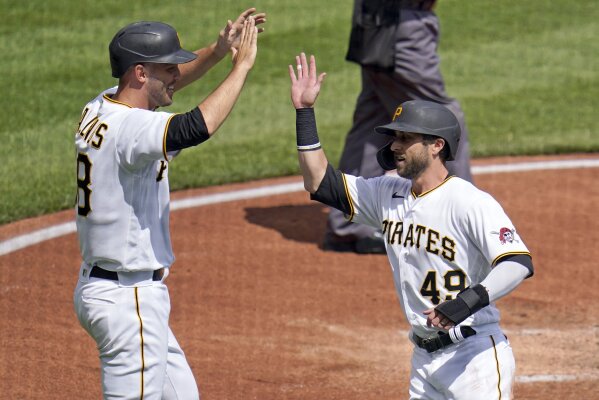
244	15
304	64
292	75
260	18
298	65
321	77
245	32
254	36
313	67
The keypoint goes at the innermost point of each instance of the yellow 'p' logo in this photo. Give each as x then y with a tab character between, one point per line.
397	112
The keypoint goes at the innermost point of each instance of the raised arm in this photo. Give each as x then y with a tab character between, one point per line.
217	106
304	91
229	39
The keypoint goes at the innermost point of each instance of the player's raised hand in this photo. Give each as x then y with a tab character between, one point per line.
306	85
229	37
248	45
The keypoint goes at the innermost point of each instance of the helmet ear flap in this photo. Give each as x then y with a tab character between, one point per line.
386	158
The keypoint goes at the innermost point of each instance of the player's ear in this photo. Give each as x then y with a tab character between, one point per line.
438	145
140	73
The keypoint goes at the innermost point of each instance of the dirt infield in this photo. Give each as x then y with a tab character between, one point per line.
263	313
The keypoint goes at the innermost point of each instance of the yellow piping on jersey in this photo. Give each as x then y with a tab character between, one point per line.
106	97
497	366
428	191
351	203
526	253
141	334
168	122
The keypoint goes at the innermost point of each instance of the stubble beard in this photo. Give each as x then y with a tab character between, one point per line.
159	93
414	166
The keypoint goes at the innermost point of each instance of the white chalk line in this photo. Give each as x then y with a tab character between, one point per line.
52	232
29	239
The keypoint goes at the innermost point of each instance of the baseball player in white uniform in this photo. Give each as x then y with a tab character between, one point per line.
452	249
124	147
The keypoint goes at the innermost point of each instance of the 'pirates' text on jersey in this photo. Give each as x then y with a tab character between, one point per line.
438	243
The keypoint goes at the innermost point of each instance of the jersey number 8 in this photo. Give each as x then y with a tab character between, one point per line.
84	169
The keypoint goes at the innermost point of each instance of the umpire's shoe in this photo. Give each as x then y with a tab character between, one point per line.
373	244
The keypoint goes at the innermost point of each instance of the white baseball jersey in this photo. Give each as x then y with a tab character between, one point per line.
438	243
123	191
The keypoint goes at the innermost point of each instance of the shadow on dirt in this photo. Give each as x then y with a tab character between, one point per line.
301	223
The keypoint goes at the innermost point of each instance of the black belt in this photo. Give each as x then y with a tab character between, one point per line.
441	340
98	272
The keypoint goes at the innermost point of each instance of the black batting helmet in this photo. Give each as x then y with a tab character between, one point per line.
424	117
141	42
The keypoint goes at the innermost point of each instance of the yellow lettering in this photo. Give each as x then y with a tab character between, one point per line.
433	236
83	114
87	129
448	248
99	136
419	231
385	224
397	233
409	236
163	166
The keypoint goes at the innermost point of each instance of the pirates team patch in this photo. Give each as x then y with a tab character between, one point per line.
506	235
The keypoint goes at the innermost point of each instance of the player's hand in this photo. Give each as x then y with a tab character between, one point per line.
306	86
248	45
229	37
436	319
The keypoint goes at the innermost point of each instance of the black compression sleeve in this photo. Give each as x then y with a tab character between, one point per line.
186	130
332	191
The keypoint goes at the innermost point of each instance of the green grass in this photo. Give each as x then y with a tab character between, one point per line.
525	73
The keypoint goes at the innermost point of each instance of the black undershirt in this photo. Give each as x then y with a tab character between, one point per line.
186	130
332	191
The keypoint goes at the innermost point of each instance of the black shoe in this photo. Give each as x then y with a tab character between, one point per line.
373	244
339	246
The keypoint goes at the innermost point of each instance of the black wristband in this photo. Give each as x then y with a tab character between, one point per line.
305	129
465	304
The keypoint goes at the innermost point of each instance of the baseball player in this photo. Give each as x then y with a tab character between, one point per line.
124	147
452	249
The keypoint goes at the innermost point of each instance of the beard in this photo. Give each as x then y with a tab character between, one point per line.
414	165
159	93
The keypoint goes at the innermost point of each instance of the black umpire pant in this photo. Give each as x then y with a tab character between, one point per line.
416	76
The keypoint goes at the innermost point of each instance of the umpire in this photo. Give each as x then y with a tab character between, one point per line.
395	43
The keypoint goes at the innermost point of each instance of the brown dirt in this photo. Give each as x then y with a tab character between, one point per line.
263	313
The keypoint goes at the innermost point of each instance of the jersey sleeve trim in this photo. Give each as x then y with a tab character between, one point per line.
168	122
108	98
333	191
349	216
513	253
